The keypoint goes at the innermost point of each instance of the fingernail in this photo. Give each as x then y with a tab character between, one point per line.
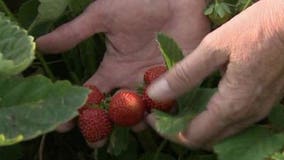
160	90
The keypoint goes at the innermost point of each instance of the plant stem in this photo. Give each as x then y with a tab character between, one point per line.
5	9
160	148
45	66
40	57
31	27
72	74
96	154
41	147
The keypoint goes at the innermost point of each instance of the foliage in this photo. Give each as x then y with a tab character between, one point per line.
254	144
30	105
34	100
16	48
221	11
33	106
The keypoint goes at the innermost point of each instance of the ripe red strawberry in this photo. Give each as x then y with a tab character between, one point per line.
126	108
94	124
150	104
84	107
95	96
153	73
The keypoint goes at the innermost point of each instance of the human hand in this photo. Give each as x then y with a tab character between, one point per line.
251	46
130	27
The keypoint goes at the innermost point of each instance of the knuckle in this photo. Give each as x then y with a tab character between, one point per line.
214	48
180	78
210	42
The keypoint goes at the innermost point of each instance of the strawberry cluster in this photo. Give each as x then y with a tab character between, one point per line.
125	108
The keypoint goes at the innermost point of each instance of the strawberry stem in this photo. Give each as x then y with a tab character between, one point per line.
96	154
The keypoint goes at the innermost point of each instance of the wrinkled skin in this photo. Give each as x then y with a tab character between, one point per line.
251	46
130	27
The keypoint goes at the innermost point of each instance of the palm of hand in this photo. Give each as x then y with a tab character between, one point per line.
130	27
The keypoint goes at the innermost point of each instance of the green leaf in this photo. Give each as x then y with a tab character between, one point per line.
33	106
219	8
168	124
28	12
192	105
170	50
277	156
48	12
201	99
16	48
256	143
242	5
77	7
151	156
209	9
147	140
11	152
201	157
131	152
185	101
196	100
226	8
119	140
51	10
4	8
276	116
232	2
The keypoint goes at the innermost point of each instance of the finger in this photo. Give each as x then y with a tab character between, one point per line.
187	73
233	129
235	101
70	34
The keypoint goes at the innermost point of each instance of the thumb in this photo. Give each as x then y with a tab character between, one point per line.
188	73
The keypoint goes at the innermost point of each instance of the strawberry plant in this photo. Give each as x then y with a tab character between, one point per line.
39	92
221	11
